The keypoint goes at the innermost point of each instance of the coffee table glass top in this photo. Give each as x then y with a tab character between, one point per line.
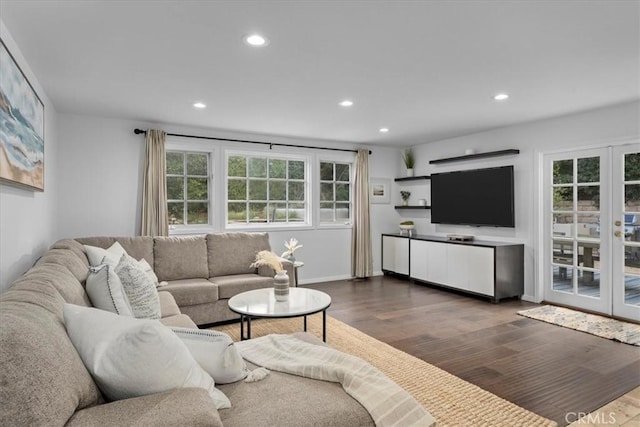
262	303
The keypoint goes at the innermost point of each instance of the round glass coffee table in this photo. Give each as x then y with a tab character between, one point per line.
262	303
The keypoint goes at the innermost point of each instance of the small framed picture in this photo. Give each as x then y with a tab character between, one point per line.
380	190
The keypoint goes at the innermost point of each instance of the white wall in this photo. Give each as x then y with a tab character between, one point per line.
101	162
597	127
28	219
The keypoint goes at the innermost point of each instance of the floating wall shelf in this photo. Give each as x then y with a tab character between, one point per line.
412	207
477	156
412	178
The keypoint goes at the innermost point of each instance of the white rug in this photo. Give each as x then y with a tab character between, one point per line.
625	332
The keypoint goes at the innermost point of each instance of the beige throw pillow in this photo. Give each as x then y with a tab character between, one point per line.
139	287
132	357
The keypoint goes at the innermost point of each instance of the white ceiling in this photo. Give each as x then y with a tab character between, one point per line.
425	69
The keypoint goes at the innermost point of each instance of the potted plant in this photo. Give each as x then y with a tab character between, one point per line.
409	160
405	197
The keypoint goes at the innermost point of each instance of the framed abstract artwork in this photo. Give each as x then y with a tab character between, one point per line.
21	127
379	189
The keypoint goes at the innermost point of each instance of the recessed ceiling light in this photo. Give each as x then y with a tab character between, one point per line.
256	40
384	130
199	105
346	103
501	97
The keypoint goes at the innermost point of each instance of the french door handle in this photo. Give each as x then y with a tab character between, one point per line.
617	233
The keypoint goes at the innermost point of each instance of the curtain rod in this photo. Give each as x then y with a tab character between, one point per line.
270	144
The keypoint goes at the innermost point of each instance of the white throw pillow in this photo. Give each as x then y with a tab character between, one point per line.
105	290
139	288
132	357
215	352
98	256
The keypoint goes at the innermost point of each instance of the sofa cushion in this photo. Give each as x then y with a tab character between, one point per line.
74	246
180	407
233	253
180	321
229	286
168	305
138	247
182	257
192	291
67	258
139	287
42	378
134	357
59	278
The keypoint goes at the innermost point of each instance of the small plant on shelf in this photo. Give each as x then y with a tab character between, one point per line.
406	223
409	160
405	197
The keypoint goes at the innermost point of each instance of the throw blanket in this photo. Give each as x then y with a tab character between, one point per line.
387	403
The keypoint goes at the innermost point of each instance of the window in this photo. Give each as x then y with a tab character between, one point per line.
266	190
188	187
335	193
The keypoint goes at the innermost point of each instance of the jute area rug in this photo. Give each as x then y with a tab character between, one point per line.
604	327
451	400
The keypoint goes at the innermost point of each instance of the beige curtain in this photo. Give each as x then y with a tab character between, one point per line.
155	218
361	254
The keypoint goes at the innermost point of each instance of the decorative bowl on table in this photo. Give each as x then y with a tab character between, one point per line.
407	226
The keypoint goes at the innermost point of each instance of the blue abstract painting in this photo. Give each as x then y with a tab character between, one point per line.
21	127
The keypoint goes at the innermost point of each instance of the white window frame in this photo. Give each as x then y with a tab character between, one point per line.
305	223
200	148
334	224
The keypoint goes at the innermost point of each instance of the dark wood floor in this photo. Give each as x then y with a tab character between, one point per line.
547	369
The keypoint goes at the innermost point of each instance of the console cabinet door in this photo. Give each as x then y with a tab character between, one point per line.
395	254
436	262
457	266
419	249
481	270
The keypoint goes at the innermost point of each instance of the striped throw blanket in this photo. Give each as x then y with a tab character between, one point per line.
387	403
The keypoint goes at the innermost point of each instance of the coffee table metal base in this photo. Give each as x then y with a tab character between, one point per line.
247	318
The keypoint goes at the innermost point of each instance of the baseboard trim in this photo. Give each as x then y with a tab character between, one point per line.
530	298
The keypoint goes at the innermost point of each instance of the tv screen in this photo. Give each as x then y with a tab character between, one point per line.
481	197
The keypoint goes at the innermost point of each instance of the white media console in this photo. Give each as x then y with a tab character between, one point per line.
491	269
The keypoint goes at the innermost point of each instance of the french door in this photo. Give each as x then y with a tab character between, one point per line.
591	252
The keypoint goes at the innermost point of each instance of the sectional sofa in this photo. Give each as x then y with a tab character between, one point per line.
43	381
201	272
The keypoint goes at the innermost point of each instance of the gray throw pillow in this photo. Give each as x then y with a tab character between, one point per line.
139	288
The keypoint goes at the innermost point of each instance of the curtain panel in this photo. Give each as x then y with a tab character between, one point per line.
361	253
155	217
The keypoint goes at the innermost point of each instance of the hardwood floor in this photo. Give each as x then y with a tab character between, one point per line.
550	370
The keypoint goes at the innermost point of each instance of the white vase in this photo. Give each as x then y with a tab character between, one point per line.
281	286
410	172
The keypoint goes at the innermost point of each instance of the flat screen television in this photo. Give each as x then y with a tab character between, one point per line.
480	197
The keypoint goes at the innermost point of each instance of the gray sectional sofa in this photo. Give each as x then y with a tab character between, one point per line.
202	272
43	381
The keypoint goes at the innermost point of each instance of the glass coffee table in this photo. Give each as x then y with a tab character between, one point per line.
262	303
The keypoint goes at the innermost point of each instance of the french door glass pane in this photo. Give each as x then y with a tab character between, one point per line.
563	171
632	289
562	278
632	167
563	198
589	169
589	255
589	198
589	283
563	224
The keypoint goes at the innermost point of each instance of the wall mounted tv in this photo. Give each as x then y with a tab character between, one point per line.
480	197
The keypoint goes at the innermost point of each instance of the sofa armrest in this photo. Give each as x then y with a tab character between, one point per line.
288	267
185	406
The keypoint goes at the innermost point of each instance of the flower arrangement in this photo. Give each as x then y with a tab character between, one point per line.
291	246
405	195
268	259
